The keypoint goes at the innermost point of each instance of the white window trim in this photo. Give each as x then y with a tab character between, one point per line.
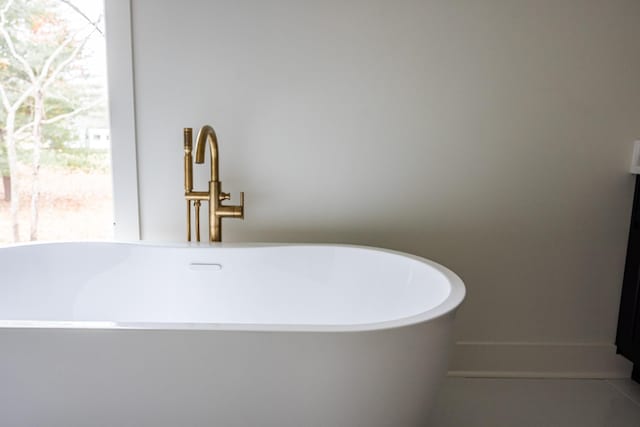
124	168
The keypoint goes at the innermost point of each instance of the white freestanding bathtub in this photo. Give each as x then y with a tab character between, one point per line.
136	335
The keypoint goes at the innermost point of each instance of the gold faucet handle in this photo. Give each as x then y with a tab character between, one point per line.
227	196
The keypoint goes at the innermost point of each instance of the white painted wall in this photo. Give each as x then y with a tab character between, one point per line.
492	136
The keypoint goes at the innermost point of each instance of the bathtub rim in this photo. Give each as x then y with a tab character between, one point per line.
447	307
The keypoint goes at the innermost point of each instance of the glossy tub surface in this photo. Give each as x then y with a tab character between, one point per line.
115	334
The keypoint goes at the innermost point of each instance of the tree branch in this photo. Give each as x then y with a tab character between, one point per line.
81	13
6	7
60	117
22	129
11	46
42	77
6	103
60	66
72	113
5	99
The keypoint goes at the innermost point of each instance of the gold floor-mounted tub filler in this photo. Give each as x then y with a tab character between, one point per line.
214	196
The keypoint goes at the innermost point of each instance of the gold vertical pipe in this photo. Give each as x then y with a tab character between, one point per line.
197	204
215	220
188	174
188	220
188	160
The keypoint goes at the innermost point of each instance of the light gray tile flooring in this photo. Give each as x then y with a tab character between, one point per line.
475	402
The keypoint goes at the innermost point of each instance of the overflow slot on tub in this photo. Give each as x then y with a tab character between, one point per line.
205	266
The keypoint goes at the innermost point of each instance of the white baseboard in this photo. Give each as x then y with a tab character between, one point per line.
537	360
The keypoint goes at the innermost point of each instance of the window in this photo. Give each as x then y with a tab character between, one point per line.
55	152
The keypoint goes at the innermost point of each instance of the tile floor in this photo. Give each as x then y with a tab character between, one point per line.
475	402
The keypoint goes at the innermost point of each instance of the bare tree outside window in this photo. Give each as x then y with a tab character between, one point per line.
54	137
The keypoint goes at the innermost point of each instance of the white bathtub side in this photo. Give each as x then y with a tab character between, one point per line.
156	378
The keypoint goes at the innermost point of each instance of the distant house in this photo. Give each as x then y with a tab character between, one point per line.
93	138
97	138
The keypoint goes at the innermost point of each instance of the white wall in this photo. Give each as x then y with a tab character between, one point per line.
491	136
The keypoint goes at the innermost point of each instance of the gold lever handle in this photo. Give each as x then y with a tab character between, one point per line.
227	196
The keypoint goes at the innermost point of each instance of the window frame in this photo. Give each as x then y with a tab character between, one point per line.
120	80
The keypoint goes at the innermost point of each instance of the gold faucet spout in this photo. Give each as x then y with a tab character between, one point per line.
207	133
215	196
